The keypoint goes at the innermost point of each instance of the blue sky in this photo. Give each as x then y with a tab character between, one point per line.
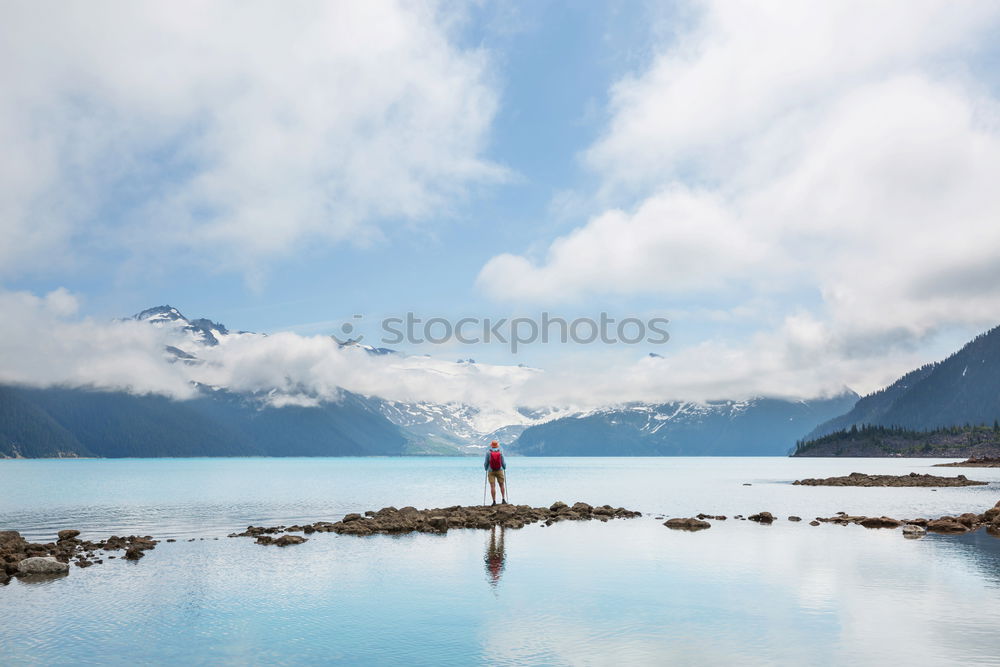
782	184
552	63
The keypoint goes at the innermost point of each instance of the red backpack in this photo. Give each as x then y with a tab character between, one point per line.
496	459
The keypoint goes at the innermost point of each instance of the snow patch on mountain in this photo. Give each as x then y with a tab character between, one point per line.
196	332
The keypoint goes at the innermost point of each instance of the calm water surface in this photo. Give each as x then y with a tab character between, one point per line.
629	592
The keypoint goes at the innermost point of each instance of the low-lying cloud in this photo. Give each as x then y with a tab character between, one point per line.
44	343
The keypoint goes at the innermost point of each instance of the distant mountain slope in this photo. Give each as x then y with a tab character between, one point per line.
78	422
962	389
28	431
759	427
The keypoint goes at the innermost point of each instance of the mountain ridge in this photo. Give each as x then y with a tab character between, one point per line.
221	422
963	388
760	426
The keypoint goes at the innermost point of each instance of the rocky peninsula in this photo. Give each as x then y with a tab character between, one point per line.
984	462
392	521
913	479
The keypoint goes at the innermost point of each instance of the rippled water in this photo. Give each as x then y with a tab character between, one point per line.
574	593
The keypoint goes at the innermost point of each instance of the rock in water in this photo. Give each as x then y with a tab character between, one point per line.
283	541
11	541
913	532
41	565
946	524
762	517
689	523
880	522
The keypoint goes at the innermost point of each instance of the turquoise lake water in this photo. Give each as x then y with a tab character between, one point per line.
623	592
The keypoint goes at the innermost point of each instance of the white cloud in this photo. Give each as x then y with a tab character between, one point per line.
678	241
746	66
42	343
237	131
841	149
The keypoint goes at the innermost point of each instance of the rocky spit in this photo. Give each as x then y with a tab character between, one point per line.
913	479
963	523
392	521
18	557
984	462
954	525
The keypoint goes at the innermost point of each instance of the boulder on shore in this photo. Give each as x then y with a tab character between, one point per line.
41	565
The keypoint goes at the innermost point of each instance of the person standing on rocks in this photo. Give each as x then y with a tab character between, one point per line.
495	465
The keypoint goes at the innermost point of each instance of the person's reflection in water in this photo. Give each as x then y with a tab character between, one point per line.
495	557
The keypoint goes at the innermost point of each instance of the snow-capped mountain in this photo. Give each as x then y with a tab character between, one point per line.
760	426
439	428
202	331
430	428
757	426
